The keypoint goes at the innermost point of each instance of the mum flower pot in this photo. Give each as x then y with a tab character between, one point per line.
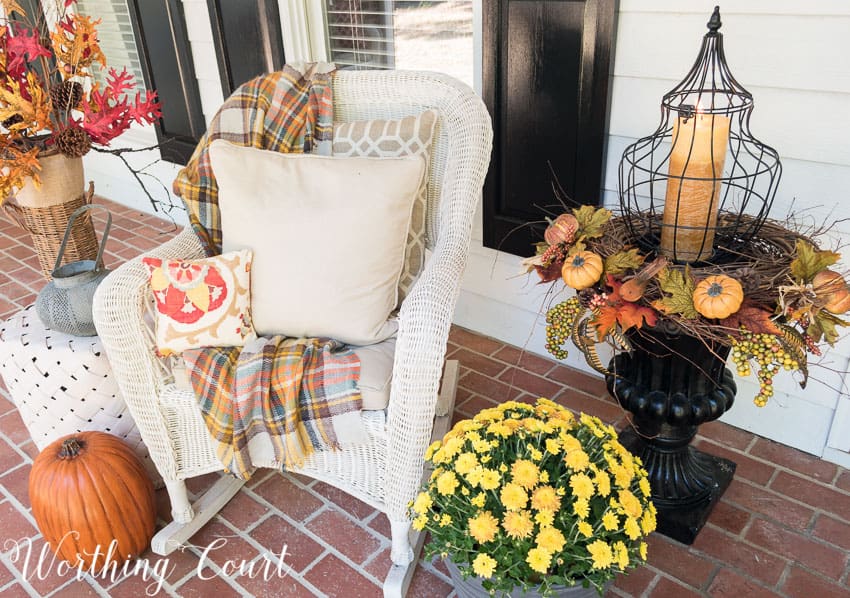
671	383
471	587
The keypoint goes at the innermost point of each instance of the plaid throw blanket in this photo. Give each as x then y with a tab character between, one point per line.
276	400
259	413
290	110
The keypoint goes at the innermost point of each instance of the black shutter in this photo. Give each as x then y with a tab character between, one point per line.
545	81
163	44
247	39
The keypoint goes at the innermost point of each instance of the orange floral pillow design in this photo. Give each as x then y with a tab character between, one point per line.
202	303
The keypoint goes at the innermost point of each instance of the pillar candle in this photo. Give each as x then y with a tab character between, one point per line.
691	204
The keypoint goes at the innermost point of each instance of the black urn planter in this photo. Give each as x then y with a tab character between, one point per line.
672	383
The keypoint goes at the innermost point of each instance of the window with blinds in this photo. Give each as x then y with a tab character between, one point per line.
117	41
360	33
402	34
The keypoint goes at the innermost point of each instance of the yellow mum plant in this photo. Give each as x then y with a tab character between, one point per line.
529	496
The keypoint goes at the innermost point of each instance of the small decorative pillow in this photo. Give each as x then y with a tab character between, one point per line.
408	136
202	303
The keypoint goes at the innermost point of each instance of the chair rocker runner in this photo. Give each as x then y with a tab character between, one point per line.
386	470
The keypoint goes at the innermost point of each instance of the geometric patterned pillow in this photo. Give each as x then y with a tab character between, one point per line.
202	303
408	136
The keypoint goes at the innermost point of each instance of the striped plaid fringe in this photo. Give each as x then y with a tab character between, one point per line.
276	400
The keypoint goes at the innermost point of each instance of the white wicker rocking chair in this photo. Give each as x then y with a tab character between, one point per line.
385	472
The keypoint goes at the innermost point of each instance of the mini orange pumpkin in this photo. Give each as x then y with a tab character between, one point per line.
831	287
718	296
582	270
88	490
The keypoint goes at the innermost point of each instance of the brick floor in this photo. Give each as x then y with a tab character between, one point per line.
782	529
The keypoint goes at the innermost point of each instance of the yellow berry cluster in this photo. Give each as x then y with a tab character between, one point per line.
769	355
559	325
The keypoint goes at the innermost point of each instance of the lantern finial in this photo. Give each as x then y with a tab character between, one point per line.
714	23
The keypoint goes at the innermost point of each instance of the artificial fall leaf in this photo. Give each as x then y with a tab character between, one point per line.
550	272
604	320
148	110
548	263
105	122
119	83
623	261
4	35
10	6
32	107
613	284
823	327
678	287
810	260
17	166
576	247
634	315
753	318
107	114
591	221
23	47
76	45
618	311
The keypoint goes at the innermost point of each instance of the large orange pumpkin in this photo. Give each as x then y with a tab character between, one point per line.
88	490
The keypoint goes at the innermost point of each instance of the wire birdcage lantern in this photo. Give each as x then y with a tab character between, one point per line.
700	187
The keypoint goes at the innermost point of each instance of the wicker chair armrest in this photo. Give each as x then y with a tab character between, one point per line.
119	309
426	314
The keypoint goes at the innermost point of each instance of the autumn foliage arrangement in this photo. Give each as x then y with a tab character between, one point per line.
772	304
49	98
529	497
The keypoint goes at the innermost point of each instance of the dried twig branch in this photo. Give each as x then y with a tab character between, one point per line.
138	173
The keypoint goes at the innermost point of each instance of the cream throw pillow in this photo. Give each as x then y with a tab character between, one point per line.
328	236
408	136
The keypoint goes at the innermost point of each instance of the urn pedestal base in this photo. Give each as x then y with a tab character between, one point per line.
681	517
672	383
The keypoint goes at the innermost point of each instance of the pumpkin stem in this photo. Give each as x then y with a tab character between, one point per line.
71	448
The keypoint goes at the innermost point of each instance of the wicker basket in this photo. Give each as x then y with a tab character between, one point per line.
44	212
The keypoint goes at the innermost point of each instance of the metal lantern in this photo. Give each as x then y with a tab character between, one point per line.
700	187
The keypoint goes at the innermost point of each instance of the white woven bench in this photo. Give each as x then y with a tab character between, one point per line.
63	384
